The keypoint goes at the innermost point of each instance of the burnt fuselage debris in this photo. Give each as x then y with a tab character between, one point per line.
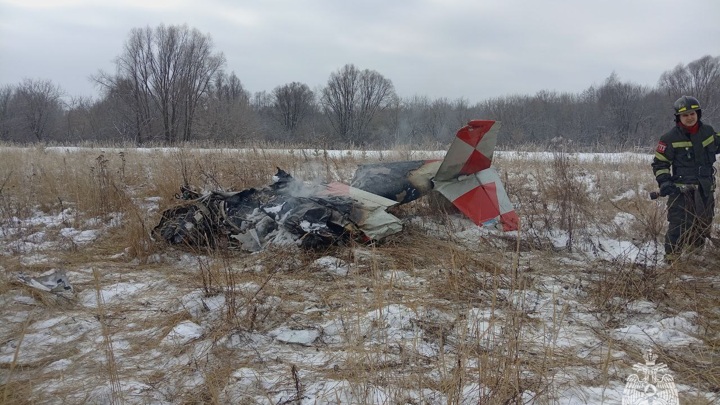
399	181
288	211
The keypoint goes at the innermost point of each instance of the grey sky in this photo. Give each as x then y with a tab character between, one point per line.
437	48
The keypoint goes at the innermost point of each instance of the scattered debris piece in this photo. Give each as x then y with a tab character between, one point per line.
54	281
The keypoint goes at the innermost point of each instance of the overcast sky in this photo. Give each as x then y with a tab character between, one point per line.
474	49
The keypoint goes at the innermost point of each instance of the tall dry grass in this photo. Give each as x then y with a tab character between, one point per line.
127	189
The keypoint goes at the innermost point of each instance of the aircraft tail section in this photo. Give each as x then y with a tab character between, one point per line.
466	177
471	151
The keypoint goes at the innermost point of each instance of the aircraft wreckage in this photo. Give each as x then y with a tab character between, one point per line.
290	211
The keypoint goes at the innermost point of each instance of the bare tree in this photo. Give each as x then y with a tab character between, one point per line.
227	114
127	109
413	125
292	103
199	67
352	98
129	90
623	106
429	121
461	113
164	73
512	112
38	106
229	88
6	117
676	81
80	121
700	78
261	100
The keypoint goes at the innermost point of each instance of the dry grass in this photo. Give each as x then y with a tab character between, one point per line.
512	351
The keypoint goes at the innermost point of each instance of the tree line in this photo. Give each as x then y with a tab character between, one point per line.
170	86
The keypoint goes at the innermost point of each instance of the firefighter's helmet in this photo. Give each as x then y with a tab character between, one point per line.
686	104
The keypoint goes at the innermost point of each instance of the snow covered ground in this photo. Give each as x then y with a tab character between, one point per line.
446	313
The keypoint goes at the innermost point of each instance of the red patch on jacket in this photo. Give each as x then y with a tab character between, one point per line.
661	147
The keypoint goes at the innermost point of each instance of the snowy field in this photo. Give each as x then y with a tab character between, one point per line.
444	313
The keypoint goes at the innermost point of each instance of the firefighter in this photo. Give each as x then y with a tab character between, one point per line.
683	168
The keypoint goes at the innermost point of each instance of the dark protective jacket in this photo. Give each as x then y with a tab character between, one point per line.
687	159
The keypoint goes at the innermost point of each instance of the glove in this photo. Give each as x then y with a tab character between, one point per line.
668	188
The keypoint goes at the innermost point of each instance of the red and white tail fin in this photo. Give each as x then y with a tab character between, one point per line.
466	177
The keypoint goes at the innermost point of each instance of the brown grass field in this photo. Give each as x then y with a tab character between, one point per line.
443	313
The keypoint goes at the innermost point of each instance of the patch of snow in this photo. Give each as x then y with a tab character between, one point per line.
641	307
23	299
110	294
48	323
80	237
674	331
304	337
183	333
245	374
623	219
273	209
310	227
583	395
403	279
627	195
197	303
34	259
45	338
59	365
332	265
485	326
